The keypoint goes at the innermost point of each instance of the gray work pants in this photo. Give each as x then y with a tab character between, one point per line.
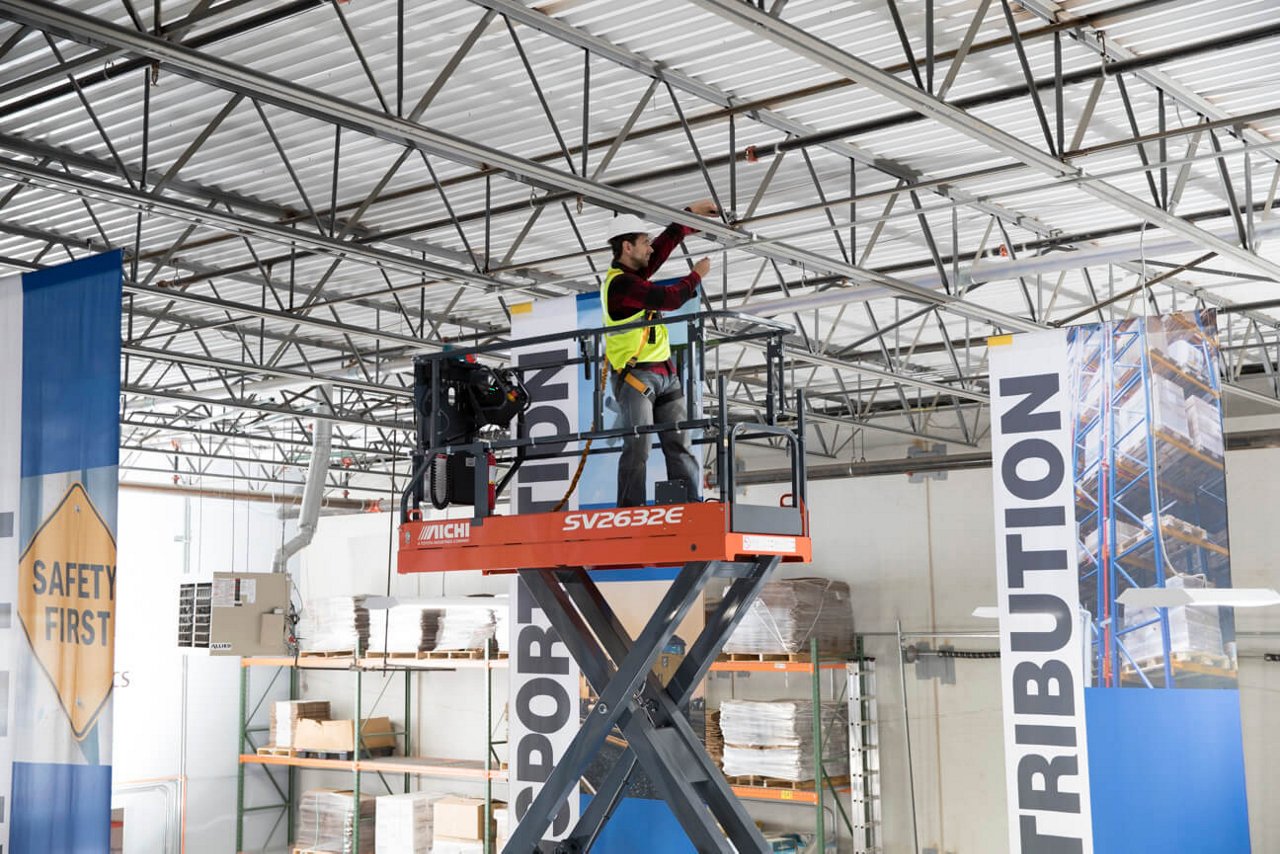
665	405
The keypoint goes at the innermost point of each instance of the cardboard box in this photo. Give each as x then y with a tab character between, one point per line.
457	817
502	826
339	736
666	665
285	715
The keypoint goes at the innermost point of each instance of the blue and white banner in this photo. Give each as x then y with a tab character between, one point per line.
1122	721
1041	636
59	447
541	670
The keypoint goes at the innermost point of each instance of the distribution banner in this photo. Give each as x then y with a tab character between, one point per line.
59	447
543	676
1041	638
1110	476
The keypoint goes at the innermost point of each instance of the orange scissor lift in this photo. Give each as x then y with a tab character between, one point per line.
457	398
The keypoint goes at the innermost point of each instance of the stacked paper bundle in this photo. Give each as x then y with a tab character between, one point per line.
334	624
404	823
326	822
466	625
775	738
502	625
443	623
407	627
789	613
285	715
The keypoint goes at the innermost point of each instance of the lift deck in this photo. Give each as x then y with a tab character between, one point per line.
661	535
553	552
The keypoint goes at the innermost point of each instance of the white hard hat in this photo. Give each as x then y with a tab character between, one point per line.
625	224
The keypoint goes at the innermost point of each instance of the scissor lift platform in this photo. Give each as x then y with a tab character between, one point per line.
660	535
552	553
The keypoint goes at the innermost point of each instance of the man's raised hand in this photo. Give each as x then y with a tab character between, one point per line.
703	267
704	207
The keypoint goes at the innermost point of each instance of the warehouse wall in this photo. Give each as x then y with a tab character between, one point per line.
153	561
923	554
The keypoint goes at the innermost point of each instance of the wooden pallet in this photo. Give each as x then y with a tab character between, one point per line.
801	657
272	750
455	654
344	653
346	755
775	783
1201	659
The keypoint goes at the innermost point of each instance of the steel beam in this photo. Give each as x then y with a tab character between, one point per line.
927	105
83	28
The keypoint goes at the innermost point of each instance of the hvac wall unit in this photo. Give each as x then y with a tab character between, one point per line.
237	613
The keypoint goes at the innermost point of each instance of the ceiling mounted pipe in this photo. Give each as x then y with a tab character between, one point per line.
1235	441
351	505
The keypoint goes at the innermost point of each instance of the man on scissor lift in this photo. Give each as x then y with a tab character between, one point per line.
645	380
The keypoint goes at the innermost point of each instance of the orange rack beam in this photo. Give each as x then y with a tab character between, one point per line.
612	538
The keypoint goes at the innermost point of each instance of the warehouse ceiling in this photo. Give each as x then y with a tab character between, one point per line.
309	193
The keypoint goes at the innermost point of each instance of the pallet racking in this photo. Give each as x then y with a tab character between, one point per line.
1150	497
487	770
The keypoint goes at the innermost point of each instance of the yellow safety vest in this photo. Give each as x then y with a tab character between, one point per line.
621	347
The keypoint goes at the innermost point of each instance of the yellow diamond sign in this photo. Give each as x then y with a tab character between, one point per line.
66	600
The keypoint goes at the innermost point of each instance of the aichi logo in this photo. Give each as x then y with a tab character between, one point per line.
442	533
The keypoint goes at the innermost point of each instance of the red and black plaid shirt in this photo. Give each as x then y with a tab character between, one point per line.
631	291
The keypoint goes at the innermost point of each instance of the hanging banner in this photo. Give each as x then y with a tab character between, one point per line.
60	383
543	717
541	671
1109	471
543	676
1041	637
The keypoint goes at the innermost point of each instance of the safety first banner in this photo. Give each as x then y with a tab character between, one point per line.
1122	720
59	446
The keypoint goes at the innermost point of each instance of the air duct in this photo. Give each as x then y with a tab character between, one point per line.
314	488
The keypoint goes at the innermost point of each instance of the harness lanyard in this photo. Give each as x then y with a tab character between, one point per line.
625	373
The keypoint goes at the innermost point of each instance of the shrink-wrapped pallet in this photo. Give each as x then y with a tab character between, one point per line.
466	626
1191	630
787	614
438	624
775	738
403	628
326	822
404	823
334	624
1204	420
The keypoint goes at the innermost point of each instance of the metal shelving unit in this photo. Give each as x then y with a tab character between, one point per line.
1150	503
487	770
817	797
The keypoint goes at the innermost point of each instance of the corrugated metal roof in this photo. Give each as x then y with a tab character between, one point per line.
489	99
